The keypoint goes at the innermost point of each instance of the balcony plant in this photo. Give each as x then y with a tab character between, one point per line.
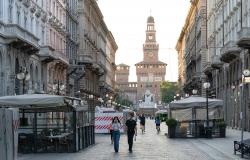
171	123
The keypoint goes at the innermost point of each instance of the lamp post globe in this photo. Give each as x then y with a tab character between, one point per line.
208	130
24	76
194	91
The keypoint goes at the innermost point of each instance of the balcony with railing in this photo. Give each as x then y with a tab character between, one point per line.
216	63
229	52
20	38
244	37
85	58
207	67
48	54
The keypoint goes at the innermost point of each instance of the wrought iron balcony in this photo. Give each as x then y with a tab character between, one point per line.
85	59
229	52
216	62
20	38
207	67
48	54
244	37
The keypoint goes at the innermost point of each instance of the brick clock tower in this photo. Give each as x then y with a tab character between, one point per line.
150	72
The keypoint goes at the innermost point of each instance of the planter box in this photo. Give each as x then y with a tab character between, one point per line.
171	132
223	132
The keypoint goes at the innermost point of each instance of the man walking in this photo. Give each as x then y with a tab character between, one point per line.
131	130
142	123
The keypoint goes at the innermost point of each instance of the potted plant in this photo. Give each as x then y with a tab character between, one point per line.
172	123
222	128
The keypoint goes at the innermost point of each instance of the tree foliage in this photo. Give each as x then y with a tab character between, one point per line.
123	101
168	91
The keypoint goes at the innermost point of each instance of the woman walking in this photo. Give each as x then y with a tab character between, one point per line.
116	126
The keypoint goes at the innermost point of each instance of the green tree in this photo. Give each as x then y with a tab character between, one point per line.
168	91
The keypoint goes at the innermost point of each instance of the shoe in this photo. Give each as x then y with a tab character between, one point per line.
130	151
116	151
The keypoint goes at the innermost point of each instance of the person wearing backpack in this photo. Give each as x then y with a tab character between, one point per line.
131	130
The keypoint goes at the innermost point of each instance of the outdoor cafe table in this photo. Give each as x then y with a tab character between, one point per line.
58	138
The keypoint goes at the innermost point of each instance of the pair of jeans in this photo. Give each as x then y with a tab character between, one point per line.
116	137
130	139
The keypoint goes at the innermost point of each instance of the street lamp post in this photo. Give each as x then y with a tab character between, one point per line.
106	100
58	87
246	73
233	104
206	85
111	101
24	76
194	91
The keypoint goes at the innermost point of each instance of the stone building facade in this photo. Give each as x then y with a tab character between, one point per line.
228	44
227	55
192	47
127	89
96	52
41	39
33	42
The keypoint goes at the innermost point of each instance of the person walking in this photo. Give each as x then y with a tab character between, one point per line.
157	124
142	123
116	126
131	130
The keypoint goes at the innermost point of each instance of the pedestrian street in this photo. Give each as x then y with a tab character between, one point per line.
150	146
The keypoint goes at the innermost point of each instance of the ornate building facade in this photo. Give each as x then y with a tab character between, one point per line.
227	55
228	44
192	47
96	54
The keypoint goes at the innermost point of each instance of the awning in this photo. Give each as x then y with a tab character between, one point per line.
195	101
33	101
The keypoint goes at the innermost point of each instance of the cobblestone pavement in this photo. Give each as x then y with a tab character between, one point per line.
152	146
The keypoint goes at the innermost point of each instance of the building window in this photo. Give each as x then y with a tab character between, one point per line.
31	24
18	17
10	14
51	37
25	22
43	37
37	28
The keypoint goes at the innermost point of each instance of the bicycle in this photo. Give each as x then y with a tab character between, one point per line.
158	129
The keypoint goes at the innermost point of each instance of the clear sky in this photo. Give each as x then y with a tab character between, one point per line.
127	20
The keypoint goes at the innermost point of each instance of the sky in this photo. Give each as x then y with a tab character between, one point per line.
127	20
